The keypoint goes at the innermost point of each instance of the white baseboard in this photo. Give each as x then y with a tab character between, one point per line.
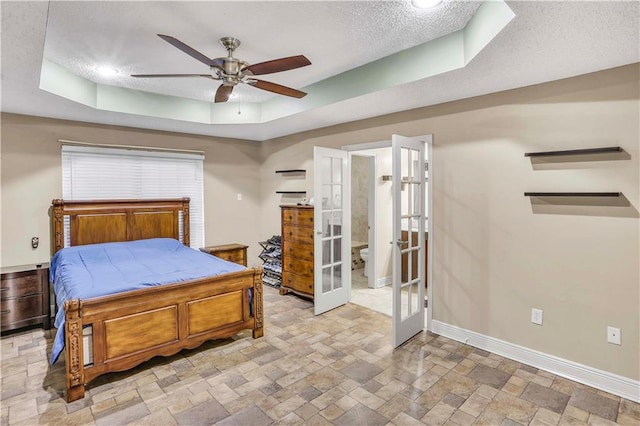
381	282
599	379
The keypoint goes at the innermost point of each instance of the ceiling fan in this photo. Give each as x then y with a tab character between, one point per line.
232	71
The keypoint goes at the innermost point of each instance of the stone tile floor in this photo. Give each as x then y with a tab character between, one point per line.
335	369
376	299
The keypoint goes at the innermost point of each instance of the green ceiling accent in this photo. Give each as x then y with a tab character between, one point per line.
439	56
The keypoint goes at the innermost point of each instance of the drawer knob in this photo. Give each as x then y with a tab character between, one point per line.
5	312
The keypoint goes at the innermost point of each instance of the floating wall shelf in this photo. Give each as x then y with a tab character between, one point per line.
573	194
295	174
574	152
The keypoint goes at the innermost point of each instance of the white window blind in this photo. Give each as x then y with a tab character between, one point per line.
94	173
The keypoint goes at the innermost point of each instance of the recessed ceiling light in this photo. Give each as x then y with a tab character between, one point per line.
425	4
106	71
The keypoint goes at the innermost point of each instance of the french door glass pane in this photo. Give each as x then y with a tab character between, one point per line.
336	176
337	276
326	279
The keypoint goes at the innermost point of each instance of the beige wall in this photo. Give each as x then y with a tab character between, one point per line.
32	177
359	199
494	257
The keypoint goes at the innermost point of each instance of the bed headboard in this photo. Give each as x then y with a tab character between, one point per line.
104	221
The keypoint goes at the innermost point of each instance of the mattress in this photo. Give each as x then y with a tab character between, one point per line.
94	270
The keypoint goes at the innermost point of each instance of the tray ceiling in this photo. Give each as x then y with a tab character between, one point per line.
356	69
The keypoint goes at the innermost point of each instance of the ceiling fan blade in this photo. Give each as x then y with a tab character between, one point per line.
223	93
170	75
189	50
277	88
278	65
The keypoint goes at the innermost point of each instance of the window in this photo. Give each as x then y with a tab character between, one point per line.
94	173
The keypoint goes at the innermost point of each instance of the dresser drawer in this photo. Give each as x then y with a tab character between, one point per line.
232	252
25	296
297	217
299	283
292	249
298	266
23	284
297	233
236	256
14	310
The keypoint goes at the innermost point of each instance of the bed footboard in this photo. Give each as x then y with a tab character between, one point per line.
130	328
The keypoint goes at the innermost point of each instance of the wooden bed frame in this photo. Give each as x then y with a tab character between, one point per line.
132	327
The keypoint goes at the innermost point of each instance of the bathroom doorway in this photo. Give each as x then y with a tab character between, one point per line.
378	296
370	224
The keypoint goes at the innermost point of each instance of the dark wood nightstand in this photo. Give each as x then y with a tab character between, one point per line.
232	252
25	296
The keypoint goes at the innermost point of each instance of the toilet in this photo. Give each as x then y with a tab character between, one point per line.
364	255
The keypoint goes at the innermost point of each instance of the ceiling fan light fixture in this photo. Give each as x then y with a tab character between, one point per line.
425	4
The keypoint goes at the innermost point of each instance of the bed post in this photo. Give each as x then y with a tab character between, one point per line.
186	229
58	225
258	328
73	350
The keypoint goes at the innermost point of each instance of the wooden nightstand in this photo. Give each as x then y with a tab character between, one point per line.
25	296
232	252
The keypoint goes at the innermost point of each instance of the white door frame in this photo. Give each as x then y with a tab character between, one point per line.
429	185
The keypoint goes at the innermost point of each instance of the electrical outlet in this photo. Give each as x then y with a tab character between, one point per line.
34	242
536	316
613	335
239	196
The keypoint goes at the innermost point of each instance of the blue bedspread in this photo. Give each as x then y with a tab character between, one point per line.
94	270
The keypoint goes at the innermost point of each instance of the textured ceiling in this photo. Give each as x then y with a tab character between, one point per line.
545	41
335	36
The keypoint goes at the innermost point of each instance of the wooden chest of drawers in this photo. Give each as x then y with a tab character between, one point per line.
232	252
25	297
297	250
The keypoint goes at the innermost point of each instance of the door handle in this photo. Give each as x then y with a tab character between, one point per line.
400	242
318	232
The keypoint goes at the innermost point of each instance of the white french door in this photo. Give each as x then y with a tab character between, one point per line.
332	236
408	189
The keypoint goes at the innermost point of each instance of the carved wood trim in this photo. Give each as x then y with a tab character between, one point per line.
58	225
258	298
186	225
73	350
